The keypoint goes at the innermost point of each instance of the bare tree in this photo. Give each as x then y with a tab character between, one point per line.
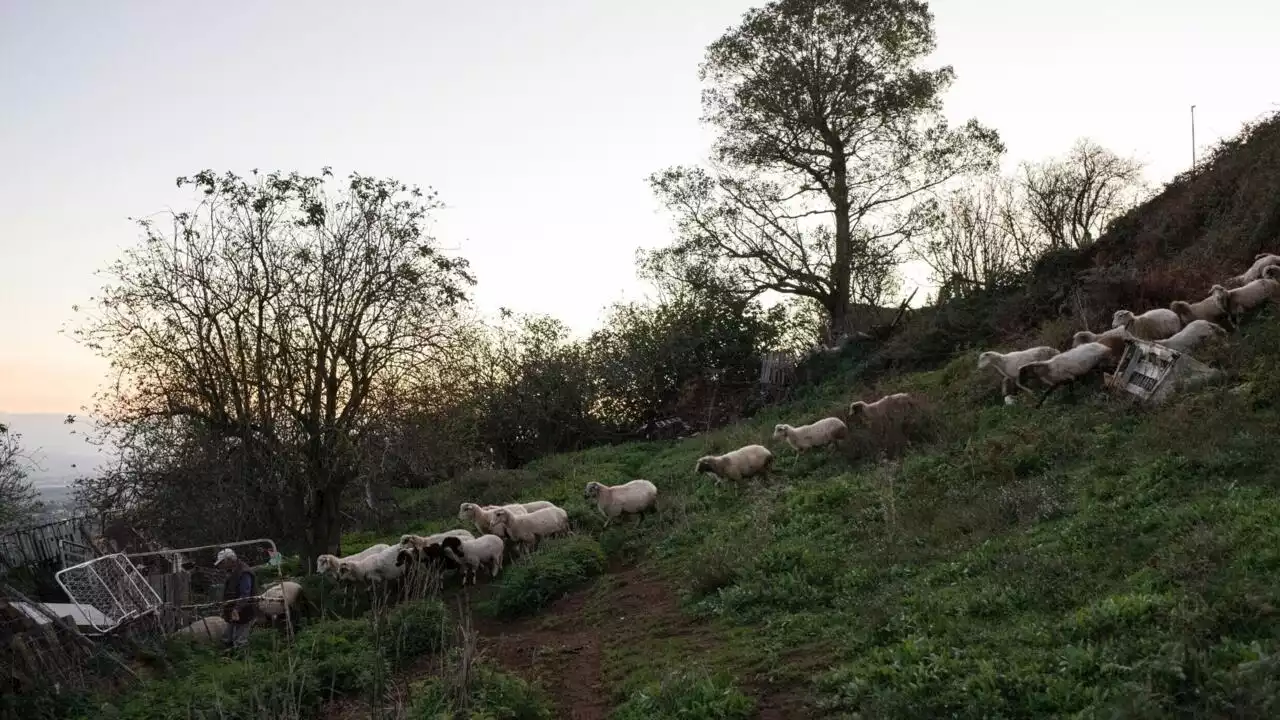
1072	199
979	239
18	498
256	330
830	135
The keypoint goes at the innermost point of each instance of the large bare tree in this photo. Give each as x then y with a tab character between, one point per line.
830	134
253	334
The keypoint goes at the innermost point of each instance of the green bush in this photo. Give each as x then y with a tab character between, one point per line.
413	629
687	696
536	581
493	695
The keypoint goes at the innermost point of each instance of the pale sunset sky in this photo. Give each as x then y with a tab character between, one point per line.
537	122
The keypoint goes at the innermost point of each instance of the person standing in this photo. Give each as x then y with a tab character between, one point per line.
237	597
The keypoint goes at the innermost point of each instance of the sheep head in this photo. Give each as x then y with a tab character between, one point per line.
467	511
706	463
591	491
1222	295
857	408
452	543
1082	337
780	431
985	359
1271	272
404	557
1182	308
1122	318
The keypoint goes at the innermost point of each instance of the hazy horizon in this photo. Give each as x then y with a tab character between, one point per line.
537	125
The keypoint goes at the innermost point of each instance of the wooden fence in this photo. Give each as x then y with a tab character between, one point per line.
40	544
777	368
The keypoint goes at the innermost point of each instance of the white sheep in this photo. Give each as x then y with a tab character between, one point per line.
1150	325
1196	332
1210	308
206	629
278	599
1115	339
1065	367
471	554
893	407
1008	364
822	432
738	464
378	568
328	564
529	529
482	517
636	497
1261	262
1242	299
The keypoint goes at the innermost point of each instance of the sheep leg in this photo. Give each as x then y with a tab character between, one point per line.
1004	386
1046	394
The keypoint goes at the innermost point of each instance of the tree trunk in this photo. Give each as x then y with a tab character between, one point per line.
324	526
842	268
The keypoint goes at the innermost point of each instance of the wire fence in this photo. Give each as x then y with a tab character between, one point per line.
113	587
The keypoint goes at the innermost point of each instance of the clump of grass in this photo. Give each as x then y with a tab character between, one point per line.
532	583
689	695
488	693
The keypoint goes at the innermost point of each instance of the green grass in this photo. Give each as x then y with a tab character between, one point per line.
687	696
1088	558
532	583
492	695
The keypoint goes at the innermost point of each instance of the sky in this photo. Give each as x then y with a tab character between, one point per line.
538	123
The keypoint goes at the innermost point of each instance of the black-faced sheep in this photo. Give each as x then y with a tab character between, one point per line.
471	554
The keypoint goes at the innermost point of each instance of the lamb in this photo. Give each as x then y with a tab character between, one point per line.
1065	367
1196	332
822	432
1261	262
1007	364
529	529
1150	325
742	463
636	497
1210	308
328	564
471	554
1250	296
281	599
482	517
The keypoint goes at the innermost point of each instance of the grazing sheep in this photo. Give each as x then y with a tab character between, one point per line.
822	432
328	564
207	629
278	599
636	497
1115	339
1065	367
889	407
471	554
1196	332
482	517
1246	298
1261	262
1210	308
742	463
1007	364
1150	325
528	530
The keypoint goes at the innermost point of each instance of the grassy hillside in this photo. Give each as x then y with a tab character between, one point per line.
1084	558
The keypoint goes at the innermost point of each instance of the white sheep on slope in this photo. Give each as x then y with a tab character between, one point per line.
528	530
817	434
1252	295
738	464
1210	308
1150	325
482	516
1065	367
328	564
374	569
1261	262
636	497
1008	364
471	554
1189	337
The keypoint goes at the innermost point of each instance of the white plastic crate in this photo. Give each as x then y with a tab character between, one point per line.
1151	372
